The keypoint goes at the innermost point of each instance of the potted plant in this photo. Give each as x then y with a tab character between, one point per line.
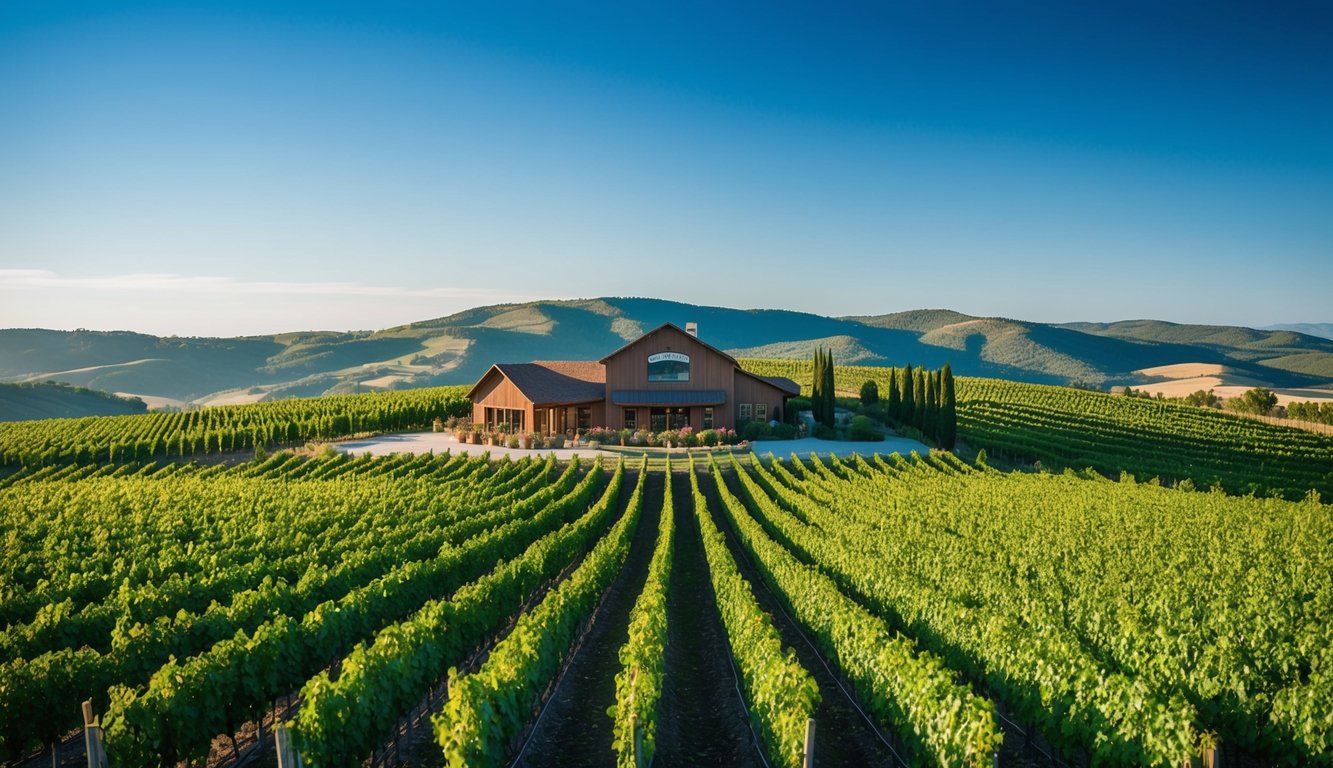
525	441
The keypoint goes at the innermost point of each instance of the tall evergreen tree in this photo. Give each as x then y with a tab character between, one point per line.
817	387
931	419
907	411
892	399
919	400
948	427
830	390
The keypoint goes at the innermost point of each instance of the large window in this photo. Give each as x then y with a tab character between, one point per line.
631	418
745	412
505	419
708	418
669	366
761	411
585	418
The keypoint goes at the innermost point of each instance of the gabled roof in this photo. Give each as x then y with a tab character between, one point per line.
781	382
553	382
679	330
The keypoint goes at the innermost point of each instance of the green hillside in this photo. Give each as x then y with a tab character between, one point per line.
1070	428
458	348
21	402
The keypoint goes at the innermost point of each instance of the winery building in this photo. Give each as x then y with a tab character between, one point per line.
666	379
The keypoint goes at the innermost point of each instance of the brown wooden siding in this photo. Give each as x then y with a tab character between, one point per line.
751	390
628	369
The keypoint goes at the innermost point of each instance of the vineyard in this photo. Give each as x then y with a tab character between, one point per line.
223	429
430	610
1078	429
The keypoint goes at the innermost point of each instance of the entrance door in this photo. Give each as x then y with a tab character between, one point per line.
662	419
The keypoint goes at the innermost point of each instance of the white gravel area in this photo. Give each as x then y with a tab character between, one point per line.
439	442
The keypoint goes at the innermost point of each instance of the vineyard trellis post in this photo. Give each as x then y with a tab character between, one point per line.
92	738
288	757
808	761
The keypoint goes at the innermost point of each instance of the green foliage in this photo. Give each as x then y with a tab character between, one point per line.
946	431
284	651
915	692
224	428
863	429
1096	649
1204	399
869	392
1258	401
643	656
779	692
1319	413
488	709
342	719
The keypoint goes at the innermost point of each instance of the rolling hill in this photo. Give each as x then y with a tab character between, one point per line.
49	400
458	349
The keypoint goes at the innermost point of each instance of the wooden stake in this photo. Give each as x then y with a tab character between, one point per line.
809	761
288	757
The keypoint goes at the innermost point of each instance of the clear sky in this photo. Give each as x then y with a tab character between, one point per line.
245	167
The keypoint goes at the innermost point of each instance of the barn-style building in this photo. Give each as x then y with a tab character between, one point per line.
666	379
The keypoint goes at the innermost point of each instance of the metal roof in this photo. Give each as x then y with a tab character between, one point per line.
553	382
668	397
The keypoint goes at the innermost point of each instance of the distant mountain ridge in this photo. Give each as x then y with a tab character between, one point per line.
1322	330
458	348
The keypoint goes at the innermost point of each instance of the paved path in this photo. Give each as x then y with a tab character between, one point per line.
439	442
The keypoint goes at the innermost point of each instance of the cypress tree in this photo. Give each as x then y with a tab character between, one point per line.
948	426
932	406
907	411
892	398
919	388
829	393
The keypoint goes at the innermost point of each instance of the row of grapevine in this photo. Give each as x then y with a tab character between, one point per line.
489	708
780	693
343	718
238	677
138	648
643	656
312	575
1131	622
913	691
219	429
1064	427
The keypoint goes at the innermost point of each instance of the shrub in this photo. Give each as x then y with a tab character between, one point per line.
825	432
784	432
754	430
869	393
513	441
863	429
556	441
708	437
797	404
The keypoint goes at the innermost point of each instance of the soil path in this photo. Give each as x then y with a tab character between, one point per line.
842	735
701	718
574	728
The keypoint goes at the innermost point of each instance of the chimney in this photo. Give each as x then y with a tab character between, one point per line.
692	329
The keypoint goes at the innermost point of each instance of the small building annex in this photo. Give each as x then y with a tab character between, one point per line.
666	379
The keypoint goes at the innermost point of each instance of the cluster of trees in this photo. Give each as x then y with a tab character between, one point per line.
823	395
925	400
1321	413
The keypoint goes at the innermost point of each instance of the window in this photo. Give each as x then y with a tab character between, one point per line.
745	412
585	418
631	418
708	418
761	411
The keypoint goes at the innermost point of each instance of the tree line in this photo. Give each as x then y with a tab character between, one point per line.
917	398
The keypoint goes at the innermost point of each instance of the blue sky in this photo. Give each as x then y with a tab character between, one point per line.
235	167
